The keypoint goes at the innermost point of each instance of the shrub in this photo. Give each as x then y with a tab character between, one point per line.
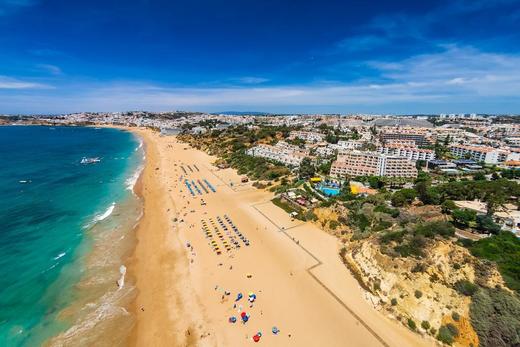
418	294
494	315
411	324
445	335
463	217
485	223
425	325
504	249
403	197
430	229
333	224
393	236
455	316
453	329
465	287
393	301
419	267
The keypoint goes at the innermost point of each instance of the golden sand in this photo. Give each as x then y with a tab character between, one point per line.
301	285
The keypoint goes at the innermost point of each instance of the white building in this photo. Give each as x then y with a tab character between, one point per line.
351	144
411	153
308	136
488	155
281	152
359	163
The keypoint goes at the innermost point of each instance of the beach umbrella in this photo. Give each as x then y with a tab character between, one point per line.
232	319
239	296
243	314
256	338
275	330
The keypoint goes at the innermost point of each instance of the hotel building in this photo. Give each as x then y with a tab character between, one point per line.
420	138
488	155
411	153
358	163
281	152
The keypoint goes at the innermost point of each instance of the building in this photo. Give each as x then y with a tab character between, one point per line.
359	163
308	136
488	155
411	153
281	152
420	138
351	144
326	151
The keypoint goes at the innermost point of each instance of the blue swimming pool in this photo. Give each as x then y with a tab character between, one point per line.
329	191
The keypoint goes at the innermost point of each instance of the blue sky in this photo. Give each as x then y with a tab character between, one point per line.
269	55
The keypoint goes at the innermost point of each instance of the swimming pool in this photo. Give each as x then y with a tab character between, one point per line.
329	191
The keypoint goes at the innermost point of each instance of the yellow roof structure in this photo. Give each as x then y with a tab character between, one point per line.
315	179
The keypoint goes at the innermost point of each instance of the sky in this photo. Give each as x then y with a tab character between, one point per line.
282	56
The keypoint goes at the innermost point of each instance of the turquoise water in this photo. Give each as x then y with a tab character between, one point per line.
49	202
329	191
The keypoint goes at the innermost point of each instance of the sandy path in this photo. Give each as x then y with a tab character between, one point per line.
301	285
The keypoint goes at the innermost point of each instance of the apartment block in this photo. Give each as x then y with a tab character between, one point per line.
359	163
308	136
281	152
488	155
411	153
418	137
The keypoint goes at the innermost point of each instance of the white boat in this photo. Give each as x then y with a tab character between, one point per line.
90	160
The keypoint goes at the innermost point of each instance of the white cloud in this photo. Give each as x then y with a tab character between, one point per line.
460	69
251	80
13	83
453	75
51	69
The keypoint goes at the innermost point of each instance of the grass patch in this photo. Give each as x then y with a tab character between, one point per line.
504	250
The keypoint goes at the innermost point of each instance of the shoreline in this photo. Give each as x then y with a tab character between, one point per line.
155	275
98	314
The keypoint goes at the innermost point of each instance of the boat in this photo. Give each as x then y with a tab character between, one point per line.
90	160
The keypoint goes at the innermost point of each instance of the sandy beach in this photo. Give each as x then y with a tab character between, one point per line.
187	292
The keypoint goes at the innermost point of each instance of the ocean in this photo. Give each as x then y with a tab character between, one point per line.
66	230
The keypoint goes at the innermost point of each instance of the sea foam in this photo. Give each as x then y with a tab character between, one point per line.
100	217
59	256
132	180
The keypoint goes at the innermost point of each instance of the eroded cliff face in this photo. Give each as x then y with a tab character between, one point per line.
421	289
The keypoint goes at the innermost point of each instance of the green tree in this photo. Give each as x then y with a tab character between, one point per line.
494	200
306	168
375	182
324	167
463	217
331	138
403	197
479	176
485	223
448	206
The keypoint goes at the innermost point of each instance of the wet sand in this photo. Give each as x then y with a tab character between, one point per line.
294	269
